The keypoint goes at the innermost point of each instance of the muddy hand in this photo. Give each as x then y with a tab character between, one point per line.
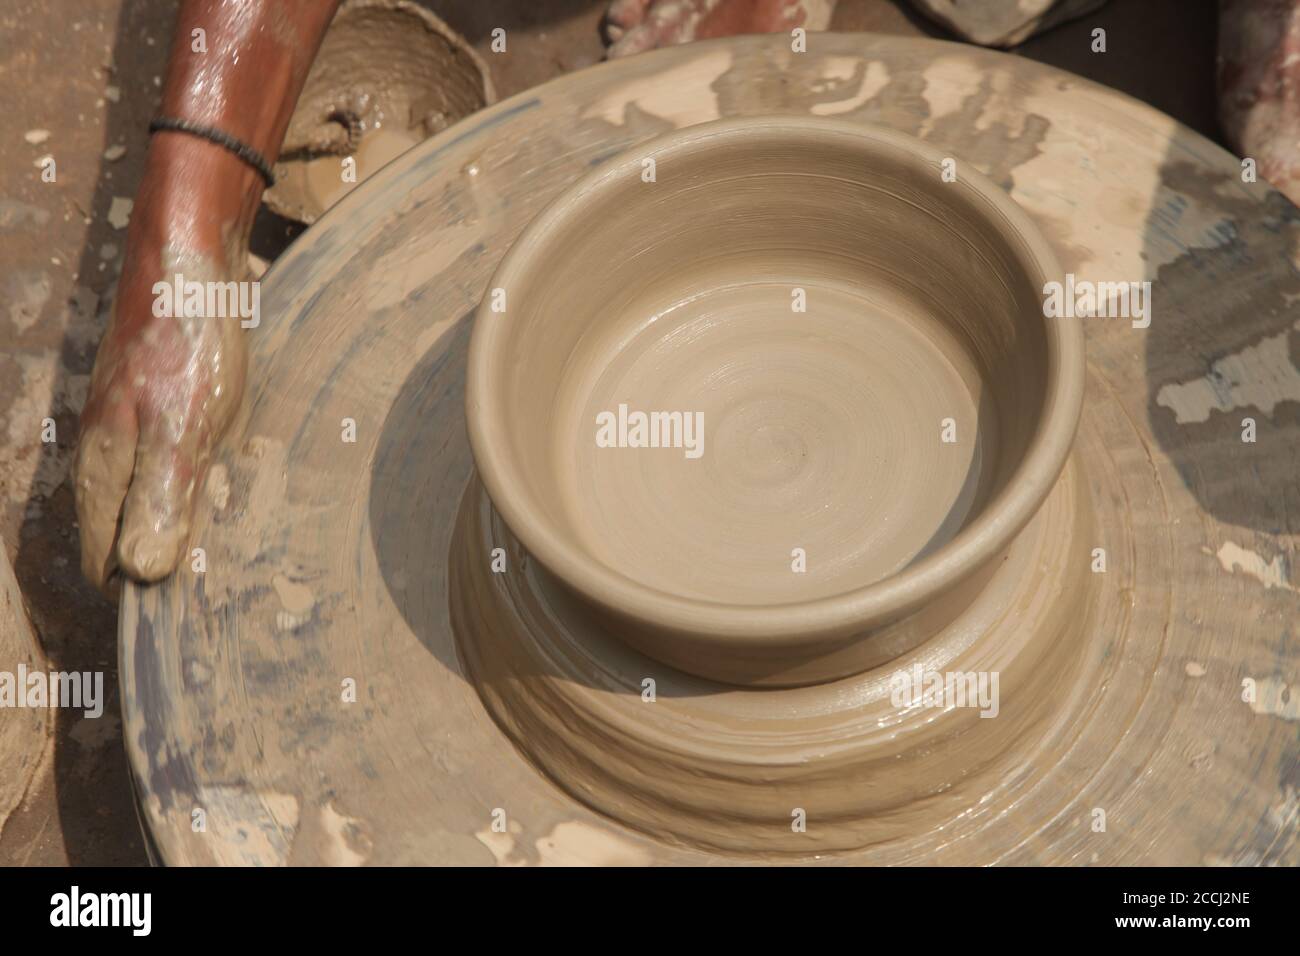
164	389
167	381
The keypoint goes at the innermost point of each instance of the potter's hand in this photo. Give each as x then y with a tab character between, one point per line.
163	390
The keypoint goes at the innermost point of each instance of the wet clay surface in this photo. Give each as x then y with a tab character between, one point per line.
233	694
784	439
313	185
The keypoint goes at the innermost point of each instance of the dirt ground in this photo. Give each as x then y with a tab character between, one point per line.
88	73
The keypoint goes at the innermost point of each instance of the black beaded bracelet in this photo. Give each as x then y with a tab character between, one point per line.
245	152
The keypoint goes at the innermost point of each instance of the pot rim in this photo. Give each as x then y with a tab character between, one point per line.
798	622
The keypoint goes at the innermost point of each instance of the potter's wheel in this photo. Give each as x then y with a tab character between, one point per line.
327	561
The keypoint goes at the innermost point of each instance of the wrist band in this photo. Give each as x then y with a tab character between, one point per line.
245	152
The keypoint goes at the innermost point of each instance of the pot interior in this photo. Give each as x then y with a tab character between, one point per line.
774	366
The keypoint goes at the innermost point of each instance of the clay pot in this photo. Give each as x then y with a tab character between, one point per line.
388	75
25	732
883	404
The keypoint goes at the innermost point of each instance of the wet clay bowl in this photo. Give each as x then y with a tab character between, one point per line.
389	74
882	404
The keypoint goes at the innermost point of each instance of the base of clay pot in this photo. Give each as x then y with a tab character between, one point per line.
823	768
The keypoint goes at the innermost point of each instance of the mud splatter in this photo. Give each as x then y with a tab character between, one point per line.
1271	574
663	94
1274	698
874	77
1259	376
